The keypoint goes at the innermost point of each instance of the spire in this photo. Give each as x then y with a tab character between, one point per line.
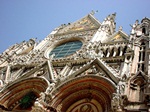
106	29
110	20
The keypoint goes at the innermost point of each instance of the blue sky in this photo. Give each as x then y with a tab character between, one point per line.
24	19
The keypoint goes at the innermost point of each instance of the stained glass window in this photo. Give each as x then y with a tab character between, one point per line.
66	49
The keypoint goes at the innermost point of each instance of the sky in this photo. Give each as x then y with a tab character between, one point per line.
24	19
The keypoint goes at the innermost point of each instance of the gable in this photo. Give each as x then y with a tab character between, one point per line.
119	36
101	69
86	23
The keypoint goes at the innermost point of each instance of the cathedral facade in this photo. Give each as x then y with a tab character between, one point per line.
84	66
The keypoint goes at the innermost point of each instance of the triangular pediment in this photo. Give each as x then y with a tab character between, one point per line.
102	69
87	23
139	74
119	36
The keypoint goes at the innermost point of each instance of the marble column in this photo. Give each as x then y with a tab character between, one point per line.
51	75
8	74
135	60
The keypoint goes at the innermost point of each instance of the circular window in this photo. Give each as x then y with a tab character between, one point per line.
66	49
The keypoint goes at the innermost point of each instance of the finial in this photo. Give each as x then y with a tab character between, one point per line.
120	28
111	16
114	14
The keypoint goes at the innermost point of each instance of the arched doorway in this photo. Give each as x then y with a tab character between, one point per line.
84	94
21	94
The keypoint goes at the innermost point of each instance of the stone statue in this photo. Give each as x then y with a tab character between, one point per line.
50	88
134	26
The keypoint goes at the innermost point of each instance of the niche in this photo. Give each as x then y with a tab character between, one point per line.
143	30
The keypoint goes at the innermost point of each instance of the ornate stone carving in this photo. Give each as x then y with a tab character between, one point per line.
110	60
42	103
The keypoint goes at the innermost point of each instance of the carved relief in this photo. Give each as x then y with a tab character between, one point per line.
106	65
